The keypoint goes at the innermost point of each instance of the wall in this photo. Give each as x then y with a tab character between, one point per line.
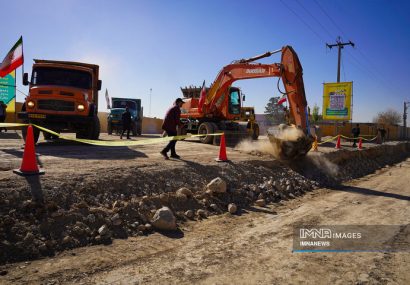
149	125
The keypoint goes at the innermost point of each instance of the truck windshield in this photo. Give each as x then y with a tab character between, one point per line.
234	102
124	103
61	77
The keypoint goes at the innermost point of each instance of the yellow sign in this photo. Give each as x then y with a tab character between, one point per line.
337	101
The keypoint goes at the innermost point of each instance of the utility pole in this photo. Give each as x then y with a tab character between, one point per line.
406	105
339	45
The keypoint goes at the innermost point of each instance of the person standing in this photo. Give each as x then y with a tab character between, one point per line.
3	114
356	134
382	132
126	123
170	124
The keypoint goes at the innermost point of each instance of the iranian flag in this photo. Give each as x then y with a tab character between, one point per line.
282	99
202	97
13	59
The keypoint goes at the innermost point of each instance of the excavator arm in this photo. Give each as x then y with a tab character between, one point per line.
289	70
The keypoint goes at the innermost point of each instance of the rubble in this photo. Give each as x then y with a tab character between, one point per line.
232	208
217	185
164	219
103	208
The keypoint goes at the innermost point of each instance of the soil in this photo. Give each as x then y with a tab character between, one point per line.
85	187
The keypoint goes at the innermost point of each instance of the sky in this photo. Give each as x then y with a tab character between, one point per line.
164	45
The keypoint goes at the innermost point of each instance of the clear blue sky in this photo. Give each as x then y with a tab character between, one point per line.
164	45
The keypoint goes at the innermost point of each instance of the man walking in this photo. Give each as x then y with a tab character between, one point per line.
356	134
3	114
126	123
171	121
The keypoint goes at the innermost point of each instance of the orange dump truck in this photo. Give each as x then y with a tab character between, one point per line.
63	96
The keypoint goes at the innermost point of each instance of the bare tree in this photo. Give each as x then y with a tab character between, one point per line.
389	117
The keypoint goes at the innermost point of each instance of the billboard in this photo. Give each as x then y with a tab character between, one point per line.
8	91
337	101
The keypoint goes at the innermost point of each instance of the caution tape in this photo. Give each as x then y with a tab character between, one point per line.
342	136
358	138
109	143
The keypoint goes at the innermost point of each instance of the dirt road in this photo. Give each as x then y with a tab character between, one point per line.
253	248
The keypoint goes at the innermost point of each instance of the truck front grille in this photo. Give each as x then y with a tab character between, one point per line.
56	105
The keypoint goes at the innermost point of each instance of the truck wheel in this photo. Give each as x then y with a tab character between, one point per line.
94	131
204	129
36	133
109	129
134	129
255	132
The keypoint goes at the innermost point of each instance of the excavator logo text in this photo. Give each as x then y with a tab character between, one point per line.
256	70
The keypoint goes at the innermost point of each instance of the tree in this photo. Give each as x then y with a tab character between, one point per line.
315	114
275	112
388	117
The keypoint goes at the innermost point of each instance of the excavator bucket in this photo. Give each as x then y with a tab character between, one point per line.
289	141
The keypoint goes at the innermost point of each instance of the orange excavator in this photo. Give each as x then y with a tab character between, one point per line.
221	108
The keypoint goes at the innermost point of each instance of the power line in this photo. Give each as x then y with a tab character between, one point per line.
303	21
316	20
330	18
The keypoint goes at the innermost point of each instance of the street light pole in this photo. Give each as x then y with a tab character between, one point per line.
150	93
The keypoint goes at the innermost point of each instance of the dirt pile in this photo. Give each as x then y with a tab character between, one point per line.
80	216
63	212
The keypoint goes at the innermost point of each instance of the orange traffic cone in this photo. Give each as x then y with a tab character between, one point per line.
338	142
222	150
29	164
359	147
315	145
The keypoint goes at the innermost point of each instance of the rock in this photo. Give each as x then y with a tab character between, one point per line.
185	191
42	247
181	197
201	213
164	219
189	214
289	188
148	227
260	202
217	185
116	220
214	207
91	218
260	196
208	192
67	240
163	198
232	208
103	230
141	228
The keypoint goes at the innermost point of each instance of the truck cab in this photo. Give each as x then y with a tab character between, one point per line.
63	96
114	119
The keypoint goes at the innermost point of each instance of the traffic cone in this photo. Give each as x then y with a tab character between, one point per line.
29	164
338	142
359	147
315	145
222	150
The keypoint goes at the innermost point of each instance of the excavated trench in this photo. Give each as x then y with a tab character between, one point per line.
70	210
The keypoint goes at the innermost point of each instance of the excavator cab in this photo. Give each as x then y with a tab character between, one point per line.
234	101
